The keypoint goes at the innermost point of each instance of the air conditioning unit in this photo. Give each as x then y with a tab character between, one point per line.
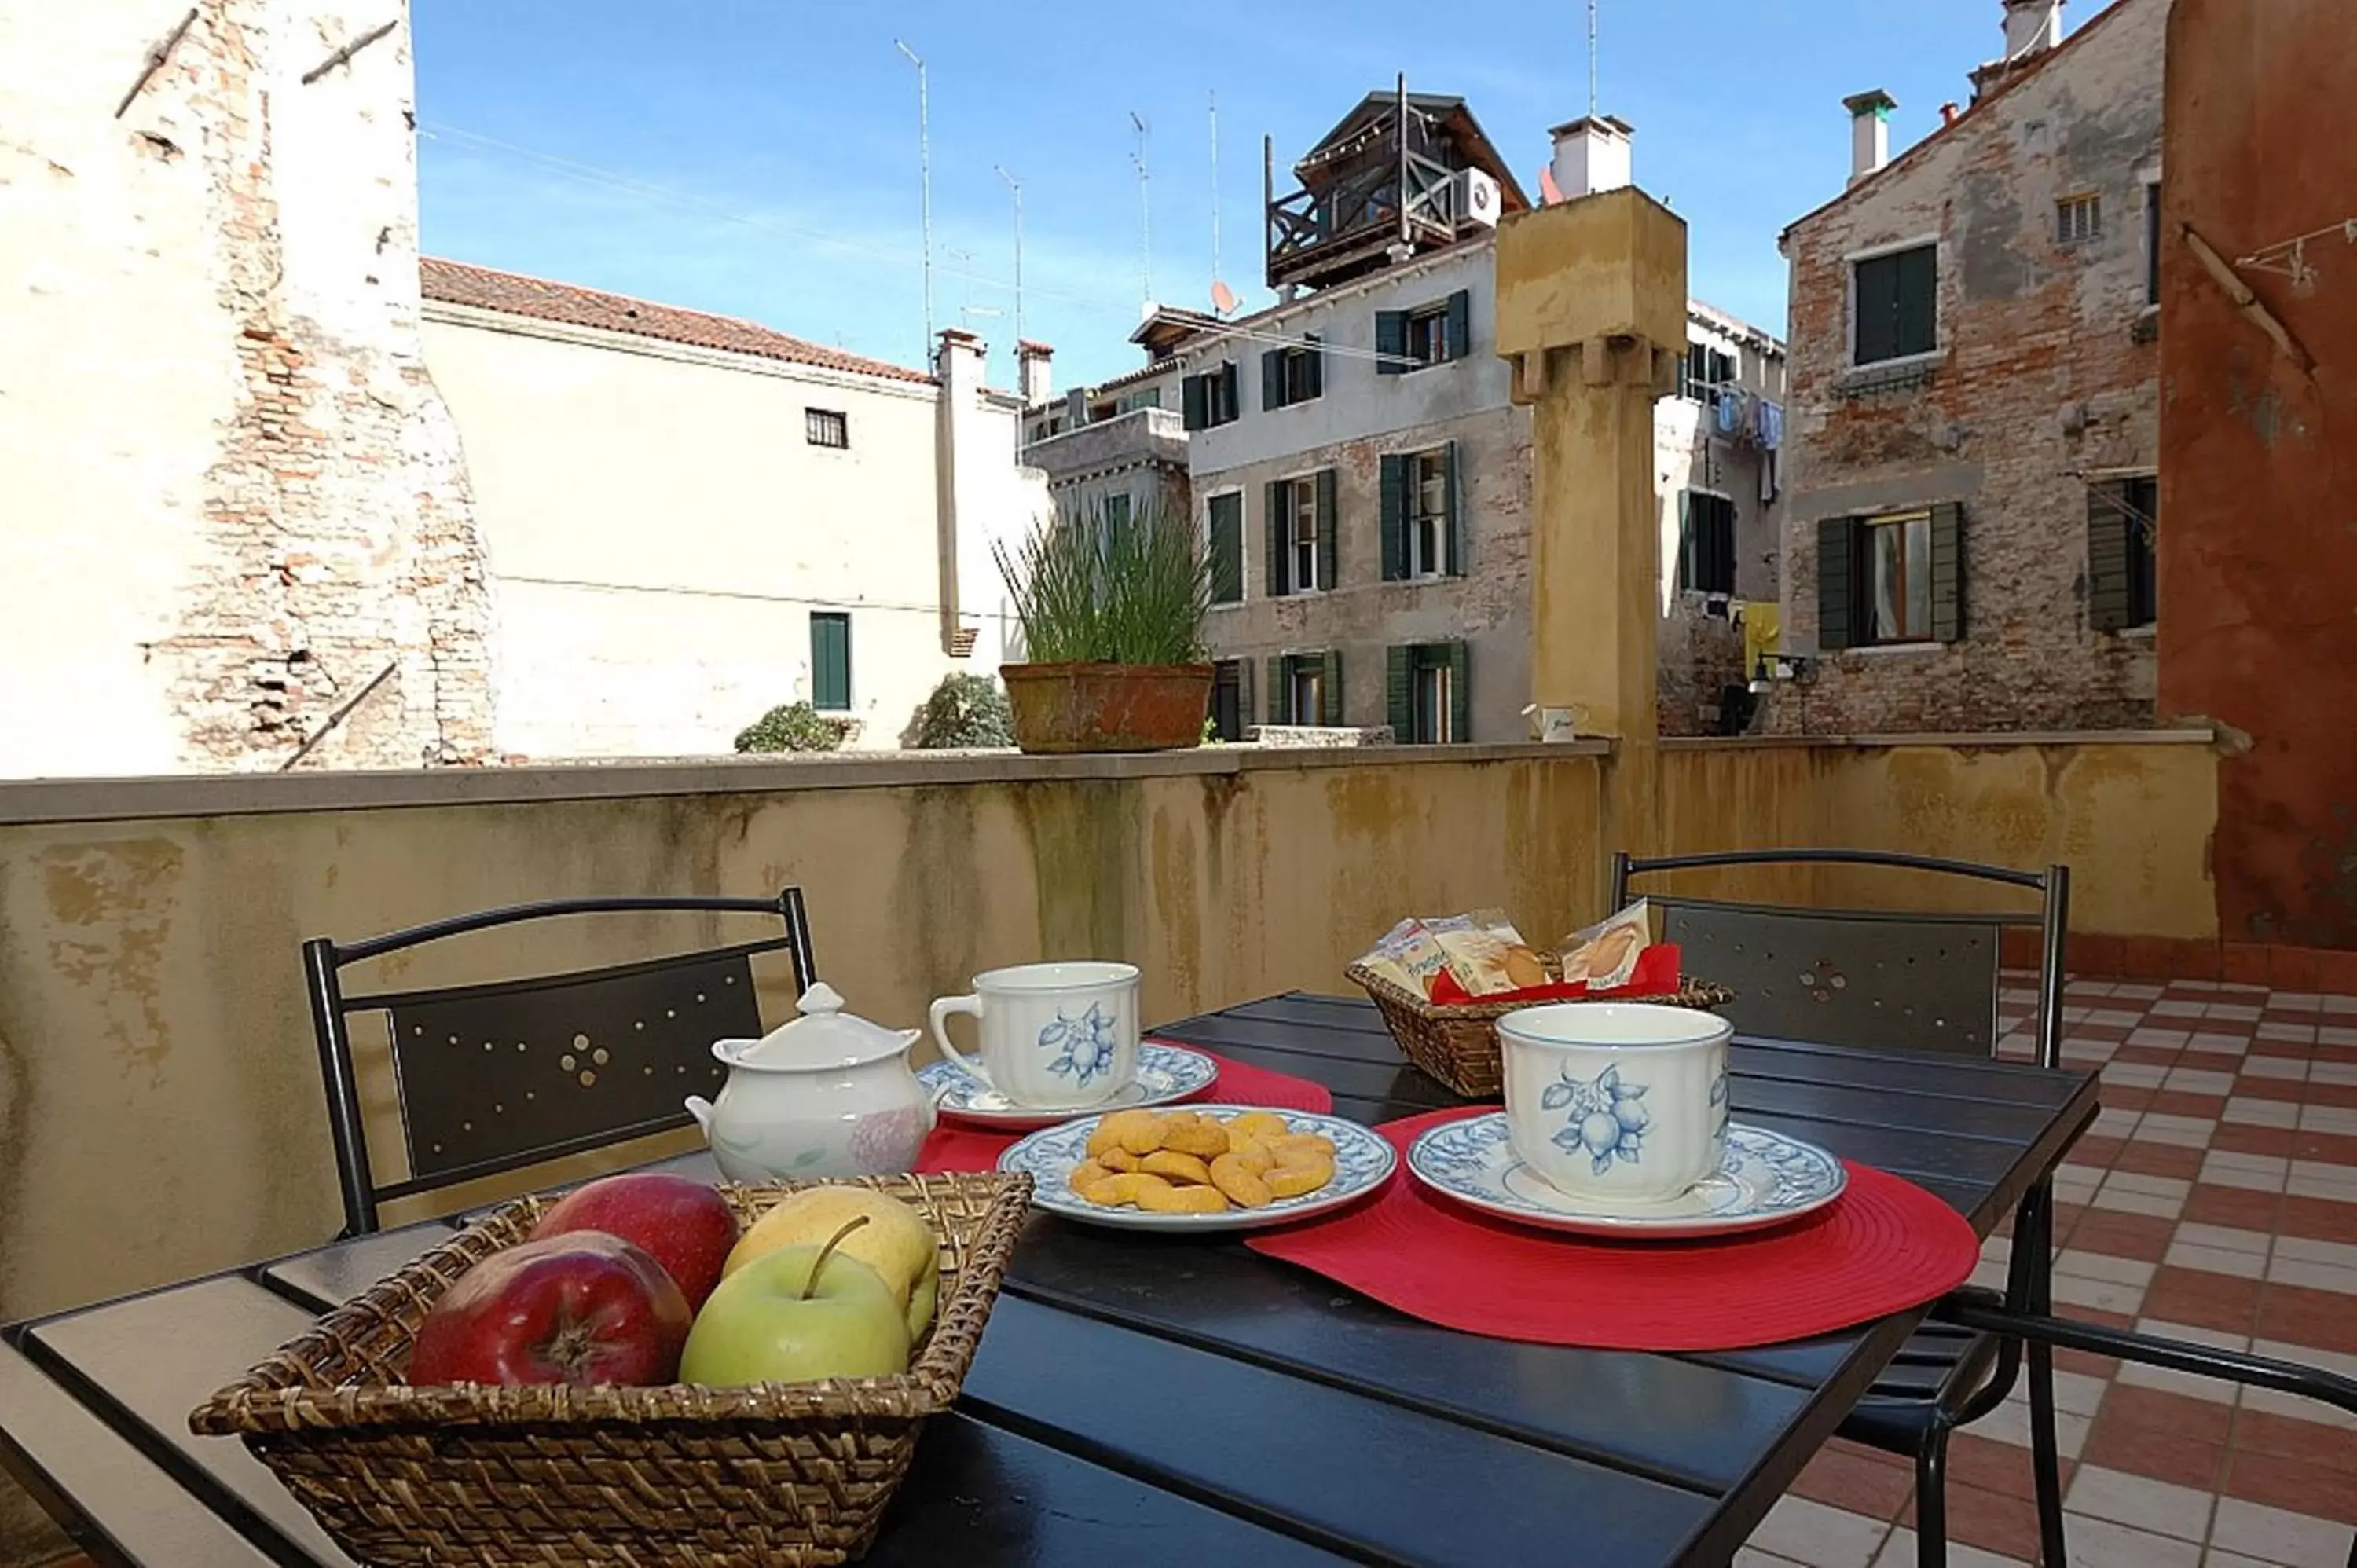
1476	199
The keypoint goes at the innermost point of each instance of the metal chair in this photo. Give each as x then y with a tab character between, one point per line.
497	1077
1893	980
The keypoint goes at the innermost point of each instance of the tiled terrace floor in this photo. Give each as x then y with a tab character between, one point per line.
2214	1199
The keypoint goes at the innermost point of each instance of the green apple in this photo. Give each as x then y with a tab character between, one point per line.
898	1242
795	1314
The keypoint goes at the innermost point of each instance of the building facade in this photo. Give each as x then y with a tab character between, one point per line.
689	519
1975	401
239	532
1113	451
1362	477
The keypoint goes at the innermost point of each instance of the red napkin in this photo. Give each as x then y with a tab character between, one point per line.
1884	1246
1656	974
961	1146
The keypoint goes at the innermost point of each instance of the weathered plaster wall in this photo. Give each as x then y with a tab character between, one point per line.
2258	553
235	496
151	1017
2042	378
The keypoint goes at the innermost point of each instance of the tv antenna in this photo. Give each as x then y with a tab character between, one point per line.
1591	59
1215	192
924	184
1145	204
1015	187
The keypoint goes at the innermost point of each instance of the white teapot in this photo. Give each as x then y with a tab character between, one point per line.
826	1095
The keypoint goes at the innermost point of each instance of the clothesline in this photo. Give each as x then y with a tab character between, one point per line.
2289	257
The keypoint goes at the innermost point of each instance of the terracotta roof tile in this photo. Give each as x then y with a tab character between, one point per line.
511	294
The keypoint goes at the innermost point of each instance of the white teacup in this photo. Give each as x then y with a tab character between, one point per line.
1614	1103
1055	1037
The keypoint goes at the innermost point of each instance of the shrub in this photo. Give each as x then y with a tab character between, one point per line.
964	710
790	726
1132	594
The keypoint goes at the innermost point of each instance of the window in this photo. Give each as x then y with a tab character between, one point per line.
1896	579
1306	689
1704	373
1705	543
1421	527
1224	521
826	427
2152	242
1210	398
1292	375
1302	534
830	662
1132	402
1112	519
1429	693
1231	699
2078	218
1897	302
1432	335
2122	521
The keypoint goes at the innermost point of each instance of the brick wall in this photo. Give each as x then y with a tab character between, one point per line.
251	502
2047	372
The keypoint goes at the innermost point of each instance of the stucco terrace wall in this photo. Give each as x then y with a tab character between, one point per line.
160	1111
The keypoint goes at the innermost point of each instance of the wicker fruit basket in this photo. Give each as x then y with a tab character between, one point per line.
730	1477
1456	1042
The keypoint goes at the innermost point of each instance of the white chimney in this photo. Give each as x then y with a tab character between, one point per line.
1033	375
2031	26
1591	155
1869	132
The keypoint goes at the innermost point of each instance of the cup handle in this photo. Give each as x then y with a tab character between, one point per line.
942	1009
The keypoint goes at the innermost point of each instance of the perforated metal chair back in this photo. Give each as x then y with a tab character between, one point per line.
1876	978
498	1077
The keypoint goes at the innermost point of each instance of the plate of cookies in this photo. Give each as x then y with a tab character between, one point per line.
1214	1167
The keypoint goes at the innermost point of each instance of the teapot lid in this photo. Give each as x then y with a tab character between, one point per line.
823	1036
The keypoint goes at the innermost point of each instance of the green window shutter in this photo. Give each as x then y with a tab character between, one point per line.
1333	715
1453	523
1280	691
1460	323
1227	516
1399	692
1317	367
830	662
2108	569
1391	342
1947	572
1193	399
1233	380
1328	573
1689	560
1836	581
1460	693
1277	552
1918	313
1272	380
1874	288
1244	720
1395	518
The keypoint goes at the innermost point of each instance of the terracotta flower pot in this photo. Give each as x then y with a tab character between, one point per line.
1107	707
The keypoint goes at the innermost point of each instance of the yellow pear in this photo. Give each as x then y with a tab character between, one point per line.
896	1242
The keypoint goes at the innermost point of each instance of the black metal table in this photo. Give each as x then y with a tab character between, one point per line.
1154	1399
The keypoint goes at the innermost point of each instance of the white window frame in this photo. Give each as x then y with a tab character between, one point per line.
1296	485
2086	200
1850	261
1441	702
1412	319
1307	671
1414	517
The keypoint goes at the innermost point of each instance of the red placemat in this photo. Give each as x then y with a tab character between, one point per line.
961	1146
1885	1245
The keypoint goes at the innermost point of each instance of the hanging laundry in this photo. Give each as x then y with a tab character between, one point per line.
1772	424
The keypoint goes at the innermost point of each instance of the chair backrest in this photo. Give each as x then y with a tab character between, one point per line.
493	1078
1886	979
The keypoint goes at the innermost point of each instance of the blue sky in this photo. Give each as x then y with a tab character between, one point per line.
761	160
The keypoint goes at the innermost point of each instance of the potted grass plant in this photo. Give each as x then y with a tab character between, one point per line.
1112	634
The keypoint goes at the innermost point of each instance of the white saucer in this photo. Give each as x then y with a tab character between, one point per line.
1164	1073
1768	1179
1363	1162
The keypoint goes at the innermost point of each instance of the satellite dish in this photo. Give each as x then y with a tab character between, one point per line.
1224	299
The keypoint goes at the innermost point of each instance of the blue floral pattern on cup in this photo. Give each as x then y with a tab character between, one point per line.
1719	1098
1086	1043
1606	1123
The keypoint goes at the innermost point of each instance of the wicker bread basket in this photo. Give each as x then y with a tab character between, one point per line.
1456	1043
776	1473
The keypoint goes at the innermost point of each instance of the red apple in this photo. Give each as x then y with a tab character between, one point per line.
684	1225
583	1308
